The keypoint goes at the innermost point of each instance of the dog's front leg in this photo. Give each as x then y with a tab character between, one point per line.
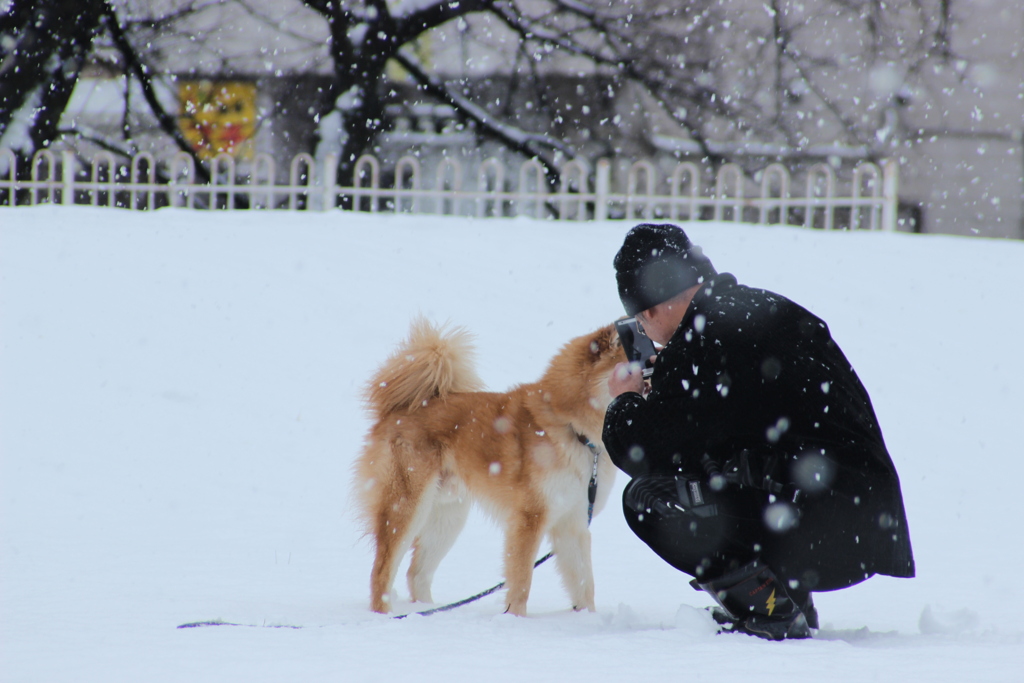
570	540
525	529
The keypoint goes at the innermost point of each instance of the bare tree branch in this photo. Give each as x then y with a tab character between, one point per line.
427	18
134	63
523	142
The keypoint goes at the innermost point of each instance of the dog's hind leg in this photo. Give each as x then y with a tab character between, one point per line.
525	529
440	529
400	514
570	540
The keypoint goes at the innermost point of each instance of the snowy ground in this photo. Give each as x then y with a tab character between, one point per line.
179	413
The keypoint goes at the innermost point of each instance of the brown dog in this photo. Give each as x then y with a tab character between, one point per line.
438	443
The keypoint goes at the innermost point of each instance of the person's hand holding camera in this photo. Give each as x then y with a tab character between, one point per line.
627	377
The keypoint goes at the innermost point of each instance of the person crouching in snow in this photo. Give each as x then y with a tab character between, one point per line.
758	466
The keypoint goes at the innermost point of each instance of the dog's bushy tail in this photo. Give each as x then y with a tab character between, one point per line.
432	362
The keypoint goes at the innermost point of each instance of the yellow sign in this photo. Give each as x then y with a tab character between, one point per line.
218	116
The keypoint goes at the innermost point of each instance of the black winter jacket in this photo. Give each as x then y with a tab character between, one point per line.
752	385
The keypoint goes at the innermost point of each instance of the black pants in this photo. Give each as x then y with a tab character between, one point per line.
706	533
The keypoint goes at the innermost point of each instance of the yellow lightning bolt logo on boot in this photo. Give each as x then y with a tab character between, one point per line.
771	603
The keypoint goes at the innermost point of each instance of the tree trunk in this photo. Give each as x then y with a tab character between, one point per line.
52	42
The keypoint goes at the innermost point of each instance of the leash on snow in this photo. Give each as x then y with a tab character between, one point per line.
591	497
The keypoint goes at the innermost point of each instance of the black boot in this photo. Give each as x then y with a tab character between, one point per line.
806	605
756	603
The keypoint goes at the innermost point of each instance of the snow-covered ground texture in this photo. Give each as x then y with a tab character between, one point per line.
179	413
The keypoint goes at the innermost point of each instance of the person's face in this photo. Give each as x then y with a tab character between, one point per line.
652	323
660	322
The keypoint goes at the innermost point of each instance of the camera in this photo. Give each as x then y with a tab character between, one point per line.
638	346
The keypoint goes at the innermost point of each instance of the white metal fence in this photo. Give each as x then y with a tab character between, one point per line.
687	192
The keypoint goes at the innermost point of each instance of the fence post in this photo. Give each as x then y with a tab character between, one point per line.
67	177
603	189
890	193
330	180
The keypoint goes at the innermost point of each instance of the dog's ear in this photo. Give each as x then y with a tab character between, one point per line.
603	340
614	340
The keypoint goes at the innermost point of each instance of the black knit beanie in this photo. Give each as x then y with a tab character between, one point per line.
655	263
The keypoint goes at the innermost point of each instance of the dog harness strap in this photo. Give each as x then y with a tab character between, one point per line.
592	487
